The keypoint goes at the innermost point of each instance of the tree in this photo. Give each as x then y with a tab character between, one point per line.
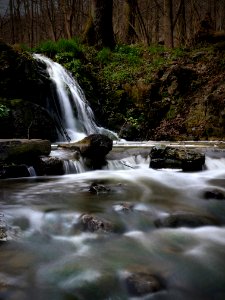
99	29
168	23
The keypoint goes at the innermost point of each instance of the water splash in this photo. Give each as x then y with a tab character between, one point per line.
72	99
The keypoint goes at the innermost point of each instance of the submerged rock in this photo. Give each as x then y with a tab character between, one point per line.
3	228
96	188
142	283
183	219
216	195
178	158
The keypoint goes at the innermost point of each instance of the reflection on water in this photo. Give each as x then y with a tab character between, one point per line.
48	256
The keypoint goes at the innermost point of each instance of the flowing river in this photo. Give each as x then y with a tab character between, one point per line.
48	256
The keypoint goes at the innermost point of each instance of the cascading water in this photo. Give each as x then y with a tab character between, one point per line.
71	98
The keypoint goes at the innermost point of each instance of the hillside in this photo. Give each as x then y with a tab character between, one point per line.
140	92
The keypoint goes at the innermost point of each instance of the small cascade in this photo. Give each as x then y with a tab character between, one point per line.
74	166
71	98
31	171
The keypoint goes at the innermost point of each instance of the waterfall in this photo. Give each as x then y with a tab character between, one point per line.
76	116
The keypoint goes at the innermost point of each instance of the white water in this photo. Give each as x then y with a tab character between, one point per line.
71	97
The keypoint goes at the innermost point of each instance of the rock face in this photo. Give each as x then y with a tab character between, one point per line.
25	92
26	120
180	158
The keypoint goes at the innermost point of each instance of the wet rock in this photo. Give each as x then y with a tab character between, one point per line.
217	195
94	224
23	150
183	219
141	283
93	149
3	228
14	171
181	158
96	188
50	166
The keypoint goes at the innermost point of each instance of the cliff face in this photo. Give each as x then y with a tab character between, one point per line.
24	88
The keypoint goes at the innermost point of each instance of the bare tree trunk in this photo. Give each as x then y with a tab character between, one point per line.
181	28
156	18
99	28
168	23
130	12
11	4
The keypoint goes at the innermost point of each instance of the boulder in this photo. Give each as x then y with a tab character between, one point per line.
213	194
93	149
50	166
94	224
178	158
183	219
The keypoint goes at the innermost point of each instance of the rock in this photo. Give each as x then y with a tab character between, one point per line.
93	149
26	120
217	195
181	158
95	146
94	224
22	150
3	228
176	80
141	283
14	171
98	188
21	76
183	219
50	166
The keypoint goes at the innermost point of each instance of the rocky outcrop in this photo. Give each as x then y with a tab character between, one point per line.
178	158
17	155
21	76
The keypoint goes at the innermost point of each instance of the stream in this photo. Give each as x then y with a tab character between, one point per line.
48	256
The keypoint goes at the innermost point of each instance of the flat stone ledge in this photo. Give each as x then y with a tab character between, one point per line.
19	149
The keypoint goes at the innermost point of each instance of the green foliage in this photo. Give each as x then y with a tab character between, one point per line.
104	56
51	48
4	111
